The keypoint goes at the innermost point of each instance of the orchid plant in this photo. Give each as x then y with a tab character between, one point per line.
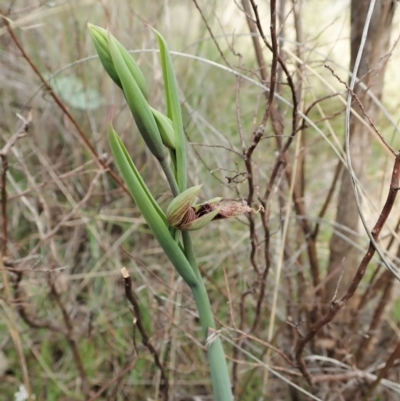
164	137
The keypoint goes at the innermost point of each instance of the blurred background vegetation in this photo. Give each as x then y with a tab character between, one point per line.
67	330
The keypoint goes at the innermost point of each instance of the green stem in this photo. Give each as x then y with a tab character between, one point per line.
219	372
189	253
170	176
220	380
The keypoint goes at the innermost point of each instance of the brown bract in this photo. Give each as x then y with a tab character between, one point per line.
227	208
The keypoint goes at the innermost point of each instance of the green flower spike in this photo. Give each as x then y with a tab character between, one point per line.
137	102
124	71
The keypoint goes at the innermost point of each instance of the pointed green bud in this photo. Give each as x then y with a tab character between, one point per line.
166	129
101	43
137	103
179	209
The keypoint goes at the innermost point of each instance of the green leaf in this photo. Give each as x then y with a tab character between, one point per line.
137	103
174	111
139	179
149	208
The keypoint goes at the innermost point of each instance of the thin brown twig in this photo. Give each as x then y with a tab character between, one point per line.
374	283
257	135
303	125
282	65
246	336
210	32
395	355
205	145
274	64
300	210
328	198
375	321
254	37
263	278
354	96
139	324
385	282
128	367
372	290
260	130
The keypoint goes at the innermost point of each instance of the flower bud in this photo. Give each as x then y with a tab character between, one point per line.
101	42
181	205
185	217
137	102
166	128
